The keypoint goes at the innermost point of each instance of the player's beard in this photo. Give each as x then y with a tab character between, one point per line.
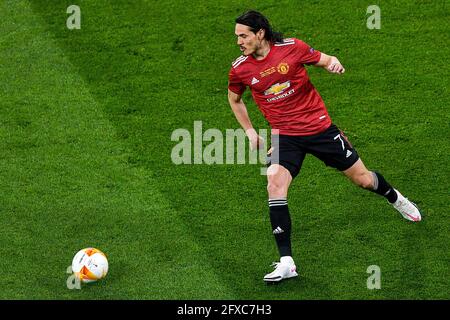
249	50
245	51
257	46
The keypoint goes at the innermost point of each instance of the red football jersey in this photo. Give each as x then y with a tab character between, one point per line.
281	88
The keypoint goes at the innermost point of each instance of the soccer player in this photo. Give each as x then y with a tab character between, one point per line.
274	70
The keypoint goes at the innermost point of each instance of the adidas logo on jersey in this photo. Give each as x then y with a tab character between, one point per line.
254	81
349	153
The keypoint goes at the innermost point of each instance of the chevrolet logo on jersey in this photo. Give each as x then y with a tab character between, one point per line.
277	88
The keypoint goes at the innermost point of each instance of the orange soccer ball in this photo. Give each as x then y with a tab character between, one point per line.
90	265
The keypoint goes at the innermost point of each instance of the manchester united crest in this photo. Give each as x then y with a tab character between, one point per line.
283	68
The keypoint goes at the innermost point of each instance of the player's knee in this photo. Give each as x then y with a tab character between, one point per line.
276	186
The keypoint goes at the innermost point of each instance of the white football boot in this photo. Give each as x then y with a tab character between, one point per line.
284	269
407	208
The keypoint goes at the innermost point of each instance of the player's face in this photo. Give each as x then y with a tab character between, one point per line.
247	41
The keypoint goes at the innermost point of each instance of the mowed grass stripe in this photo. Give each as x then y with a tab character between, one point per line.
65	184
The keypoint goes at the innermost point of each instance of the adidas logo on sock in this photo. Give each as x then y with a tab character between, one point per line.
278	230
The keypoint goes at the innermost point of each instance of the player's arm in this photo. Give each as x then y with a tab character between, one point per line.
240	111
330	63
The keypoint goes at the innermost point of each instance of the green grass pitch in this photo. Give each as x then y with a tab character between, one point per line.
86	118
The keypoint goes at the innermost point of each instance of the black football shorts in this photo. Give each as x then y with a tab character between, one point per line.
331	146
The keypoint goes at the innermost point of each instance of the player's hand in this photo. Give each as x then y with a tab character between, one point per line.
256	142
335	66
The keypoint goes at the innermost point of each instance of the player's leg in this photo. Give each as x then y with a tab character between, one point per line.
284	163
375	182
278	181
370	180
334	148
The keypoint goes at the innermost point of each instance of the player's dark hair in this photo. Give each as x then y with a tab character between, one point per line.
256	21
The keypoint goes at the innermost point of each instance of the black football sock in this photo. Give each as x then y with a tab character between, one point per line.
382	187
281	225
